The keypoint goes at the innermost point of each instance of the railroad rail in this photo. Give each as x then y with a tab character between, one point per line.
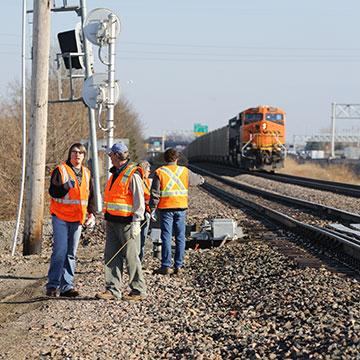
345	247
333	213
333	186
324	185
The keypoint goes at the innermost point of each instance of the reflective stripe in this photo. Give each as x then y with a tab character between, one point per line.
115	206
71	202
87	177
147	186
173	193
174	178
66	174
128	172
66	179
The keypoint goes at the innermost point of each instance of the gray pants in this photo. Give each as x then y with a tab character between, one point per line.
117	234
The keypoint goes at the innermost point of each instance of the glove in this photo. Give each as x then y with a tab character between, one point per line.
153	216
90	222
135	229
71	183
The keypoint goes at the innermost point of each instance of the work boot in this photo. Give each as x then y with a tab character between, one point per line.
106	295
70	293
178	271
51	292
164	271
134	296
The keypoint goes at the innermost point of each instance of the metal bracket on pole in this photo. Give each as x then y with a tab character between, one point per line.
342	112
101	28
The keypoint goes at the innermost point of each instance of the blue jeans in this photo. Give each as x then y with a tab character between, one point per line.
63	258
172	220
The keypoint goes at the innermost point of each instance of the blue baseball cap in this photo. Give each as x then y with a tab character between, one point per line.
119	147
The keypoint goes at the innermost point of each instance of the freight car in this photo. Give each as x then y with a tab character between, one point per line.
254	139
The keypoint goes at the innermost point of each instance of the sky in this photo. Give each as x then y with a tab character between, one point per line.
204	61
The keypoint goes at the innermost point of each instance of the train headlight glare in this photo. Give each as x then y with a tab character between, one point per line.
264	126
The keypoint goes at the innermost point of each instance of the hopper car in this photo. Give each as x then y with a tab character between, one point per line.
252	140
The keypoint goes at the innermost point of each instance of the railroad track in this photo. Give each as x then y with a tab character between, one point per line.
340	241
333	186
324	185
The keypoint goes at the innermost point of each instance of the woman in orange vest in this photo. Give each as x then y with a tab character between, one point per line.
72	206
144	167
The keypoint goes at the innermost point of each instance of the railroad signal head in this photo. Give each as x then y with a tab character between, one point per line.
71	43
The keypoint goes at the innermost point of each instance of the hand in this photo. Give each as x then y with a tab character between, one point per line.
90	222
147	216
71	183
153	216
135	229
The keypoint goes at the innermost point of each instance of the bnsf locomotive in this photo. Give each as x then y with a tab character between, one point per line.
254	139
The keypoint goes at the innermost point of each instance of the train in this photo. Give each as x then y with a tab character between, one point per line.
252	140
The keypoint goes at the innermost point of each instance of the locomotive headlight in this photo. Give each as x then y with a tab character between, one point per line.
264	126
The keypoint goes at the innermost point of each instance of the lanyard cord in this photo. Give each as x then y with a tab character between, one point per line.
123	245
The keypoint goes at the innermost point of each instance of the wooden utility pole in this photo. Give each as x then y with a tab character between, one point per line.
36	156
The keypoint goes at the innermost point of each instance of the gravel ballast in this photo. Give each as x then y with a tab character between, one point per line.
243	300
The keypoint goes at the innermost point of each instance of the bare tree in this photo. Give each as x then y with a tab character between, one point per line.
67	123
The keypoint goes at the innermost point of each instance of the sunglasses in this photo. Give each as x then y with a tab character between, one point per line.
77	152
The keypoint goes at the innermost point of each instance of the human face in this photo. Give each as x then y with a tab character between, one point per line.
77	157
115	160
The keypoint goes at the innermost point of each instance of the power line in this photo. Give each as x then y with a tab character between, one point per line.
8	34
340	56
14	45
239	47
281	60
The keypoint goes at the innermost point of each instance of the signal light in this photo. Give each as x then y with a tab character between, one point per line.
70	42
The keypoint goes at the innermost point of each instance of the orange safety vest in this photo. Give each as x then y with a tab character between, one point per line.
174	184
147	186
118	199
73	206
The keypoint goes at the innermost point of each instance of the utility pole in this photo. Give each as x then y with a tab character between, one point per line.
35	172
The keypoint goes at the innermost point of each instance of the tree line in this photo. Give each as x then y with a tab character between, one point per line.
67	123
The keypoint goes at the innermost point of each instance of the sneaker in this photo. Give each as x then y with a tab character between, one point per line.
51	292
70	293
163	271
178	271
133	296
106	295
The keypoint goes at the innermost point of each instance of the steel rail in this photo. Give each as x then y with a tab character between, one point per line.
325	185
332	212
326	239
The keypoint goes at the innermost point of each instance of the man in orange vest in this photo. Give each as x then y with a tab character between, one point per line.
123	209
72	205
169	193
